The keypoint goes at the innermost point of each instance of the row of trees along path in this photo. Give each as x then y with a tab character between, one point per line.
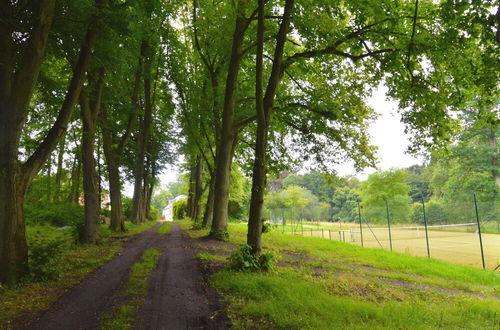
265	83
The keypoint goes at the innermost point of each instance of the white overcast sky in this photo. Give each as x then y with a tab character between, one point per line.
387	133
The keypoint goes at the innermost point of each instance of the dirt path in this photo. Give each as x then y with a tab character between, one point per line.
177	297
80	307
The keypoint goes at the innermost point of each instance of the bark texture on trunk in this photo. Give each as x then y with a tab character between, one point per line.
17	87
254	234
76	169
18	75
209	206
90	106
264	105
198	191
60	158
138	211
494	158
228	132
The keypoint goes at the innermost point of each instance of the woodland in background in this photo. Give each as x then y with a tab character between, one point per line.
97	93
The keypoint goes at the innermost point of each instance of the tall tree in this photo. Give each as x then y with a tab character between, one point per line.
264	106
18	74
90	105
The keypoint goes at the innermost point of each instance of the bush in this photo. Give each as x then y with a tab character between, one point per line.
435	213
44	258
127	206
106	212
154	214
179	209
267	227
58	214
244	260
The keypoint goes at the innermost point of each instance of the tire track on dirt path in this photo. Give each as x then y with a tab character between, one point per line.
178	297
81	306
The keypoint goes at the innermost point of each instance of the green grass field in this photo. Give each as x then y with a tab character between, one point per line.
322	284
457	245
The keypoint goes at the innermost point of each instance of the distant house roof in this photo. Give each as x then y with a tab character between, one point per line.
172	201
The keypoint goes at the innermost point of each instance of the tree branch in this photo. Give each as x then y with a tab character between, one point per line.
332	50
29	66
37	159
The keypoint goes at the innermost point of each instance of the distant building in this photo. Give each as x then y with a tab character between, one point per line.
167	213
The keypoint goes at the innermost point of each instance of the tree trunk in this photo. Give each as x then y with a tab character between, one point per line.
198	191
90	193
254	235
145	188
191	192
89	113
148	203
18	76
494	158
74	193
228	132
60	159
49	179
209	206
113	155
14	248
138	214
264	106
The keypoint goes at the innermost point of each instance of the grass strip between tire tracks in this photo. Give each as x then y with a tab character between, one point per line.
133	294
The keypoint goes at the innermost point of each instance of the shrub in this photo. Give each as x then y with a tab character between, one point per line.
244	260
267	227
58	214
44	258
154	213
179	209
127	206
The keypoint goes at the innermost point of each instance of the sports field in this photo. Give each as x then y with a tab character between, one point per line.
458	245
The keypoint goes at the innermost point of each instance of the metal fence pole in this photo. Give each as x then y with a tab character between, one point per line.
302	220
426	233
360	225
311	232
330	234
322	233
388	223
479	231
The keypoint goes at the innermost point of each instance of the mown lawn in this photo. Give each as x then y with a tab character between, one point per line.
74	263
321	284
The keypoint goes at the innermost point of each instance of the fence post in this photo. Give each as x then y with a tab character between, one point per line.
330	234
360	225
479	231
311	232
322	233
388	223
426	234
302	221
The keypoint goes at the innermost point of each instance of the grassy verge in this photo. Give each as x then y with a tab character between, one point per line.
290	299
75	262
165	228
134	293
329	284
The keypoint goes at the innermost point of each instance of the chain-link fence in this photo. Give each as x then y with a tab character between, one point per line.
461	229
